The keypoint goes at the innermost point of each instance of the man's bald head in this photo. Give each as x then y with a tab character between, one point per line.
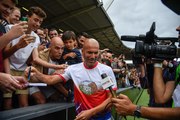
56	48
56	41
90	52
90	43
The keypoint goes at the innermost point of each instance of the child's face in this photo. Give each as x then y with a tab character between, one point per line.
69	44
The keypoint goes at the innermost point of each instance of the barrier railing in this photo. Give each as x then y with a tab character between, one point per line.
52	111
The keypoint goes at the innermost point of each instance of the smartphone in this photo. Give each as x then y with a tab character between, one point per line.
24	19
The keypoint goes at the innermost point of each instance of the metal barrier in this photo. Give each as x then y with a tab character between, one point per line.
48	111
53	111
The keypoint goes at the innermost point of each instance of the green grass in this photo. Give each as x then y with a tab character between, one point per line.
133	95
143	101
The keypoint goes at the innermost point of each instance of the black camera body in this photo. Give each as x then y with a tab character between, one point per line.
150	46
156	51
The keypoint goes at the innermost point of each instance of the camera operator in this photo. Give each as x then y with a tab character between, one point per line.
163	88
154	50
164	91
147	81
168	80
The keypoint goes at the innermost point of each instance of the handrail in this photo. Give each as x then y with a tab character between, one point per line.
41	110
34	111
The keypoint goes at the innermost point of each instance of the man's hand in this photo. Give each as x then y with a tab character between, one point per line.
71	54
104	50
10	83
59	71
25	40
37	76
84	115
18	29
15	32
123	105
62	66
33	73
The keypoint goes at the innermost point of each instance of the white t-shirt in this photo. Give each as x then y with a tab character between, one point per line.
19	58
88	91
51	70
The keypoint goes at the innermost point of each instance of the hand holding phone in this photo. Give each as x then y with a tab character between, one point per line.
24	19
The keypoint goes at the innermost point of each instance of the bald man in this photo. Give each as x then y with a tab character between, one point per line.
91	100
50	55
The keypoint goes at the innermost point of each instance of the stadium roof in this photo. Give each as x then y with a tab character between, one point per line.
80	16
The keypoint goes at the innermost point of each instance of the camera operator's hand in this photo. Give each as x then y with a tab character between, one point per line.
123	105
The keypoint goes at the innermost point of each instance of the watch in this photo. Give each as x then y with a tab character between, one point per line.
137	112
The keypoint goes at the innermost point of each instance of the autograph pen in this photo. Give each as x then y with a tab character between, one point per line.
33	84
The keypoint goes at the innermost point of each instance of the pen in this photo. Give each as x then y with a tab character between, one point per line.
37	84
29	74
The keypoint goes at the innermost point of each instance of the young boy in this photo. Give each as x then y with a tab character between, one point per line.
71	55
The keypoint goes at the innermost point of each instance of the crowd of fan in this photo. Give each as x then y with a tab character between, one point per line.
50	51
25	43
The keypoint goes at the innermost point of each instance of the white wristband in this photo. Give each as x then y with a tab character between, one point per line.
159	65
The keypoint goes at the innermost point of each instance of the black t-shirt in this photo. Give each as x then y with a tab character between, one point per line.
168	75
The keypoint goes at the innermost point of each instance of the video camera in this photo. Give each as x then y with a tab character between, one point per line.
151	46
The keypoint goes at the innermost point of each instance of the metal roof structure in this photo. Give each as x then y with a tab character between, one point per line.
81	16
173	5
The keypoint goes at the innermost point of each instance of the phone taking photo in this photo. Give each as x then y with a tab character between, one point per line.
24	19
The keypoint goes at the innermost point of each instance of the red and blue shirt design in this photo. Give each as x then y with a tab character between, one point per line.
88	91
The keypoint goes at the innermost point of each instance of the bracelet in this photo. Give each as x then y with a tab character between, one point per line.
159	65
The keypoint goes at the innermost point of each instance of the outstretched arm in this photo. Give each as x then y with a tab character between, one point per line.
124	107
25	40
38	76
39	61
